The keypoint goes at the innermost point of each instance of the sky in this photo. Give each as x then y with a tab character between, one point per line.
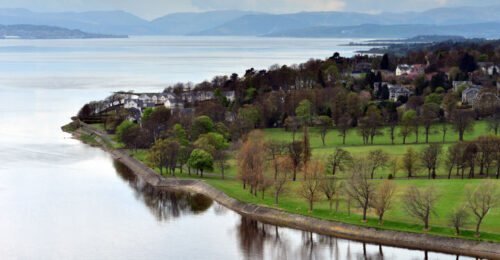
150	9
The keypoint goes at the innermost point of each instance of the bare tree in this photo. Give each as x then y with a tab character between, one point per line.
486	152
330	188
454	158
310	185
343	124
358	187
295	153
292	124
481	200
377	159
409	161
430	158
493	122
461	121
458	218
283	172
221	161
275	149
429	116
338	160
419	203
252	161
470	158
324	123
382	200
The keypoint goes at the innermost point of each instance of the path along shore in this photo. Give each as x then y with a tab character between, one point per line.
278	217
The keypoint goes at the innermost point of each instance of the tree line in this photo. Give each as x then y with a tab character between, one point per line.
265	164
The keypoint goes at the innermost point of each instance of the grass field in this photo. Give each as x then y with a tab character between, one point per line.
353	138
450	192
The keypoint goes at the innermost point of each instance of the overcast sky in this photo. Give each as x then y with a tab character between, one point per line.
150	9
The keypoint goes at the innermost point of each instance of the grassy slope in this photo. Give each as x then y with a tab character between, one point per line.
451	192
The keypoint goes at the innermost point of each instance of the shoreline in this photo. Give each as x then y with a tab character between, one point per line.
268	215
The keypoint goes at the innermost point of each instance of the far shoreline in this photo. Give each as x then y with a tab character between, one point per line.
428	242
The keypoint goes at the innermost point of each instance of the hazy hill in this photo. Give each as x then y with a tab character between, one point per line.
188	23
241	23
107	22
25	31
483	30
263	24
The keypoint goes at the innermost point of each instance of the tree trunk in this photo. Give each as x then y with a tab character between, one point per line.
311	205
478	225
294	173
343	138
380	221
461	135
404	139
276	197
201	171
364	213
427	135
434	173
449	171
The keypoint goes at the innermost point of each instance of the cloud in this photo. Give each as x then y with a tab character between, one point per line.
271	6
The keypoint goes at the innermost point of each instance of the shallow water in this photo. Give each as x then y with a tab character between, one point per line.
60	199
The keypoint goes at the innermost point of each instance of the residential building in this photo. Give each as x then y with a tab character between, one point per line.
469	94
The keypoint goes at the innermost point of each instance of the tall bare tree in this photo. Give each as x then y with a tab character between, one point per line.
274	150
330	188
284	171
252	161
295	153
481	200
313	172
358	186
382	200
420	203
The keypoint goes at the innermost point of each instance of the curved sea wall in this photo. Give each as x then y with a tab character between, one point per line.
281	218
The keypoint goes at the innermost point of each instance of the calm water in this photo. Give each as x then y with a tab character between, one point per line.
60	199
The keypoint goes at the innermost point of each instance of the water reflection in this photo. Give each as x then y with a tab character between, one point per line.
257	240
164	204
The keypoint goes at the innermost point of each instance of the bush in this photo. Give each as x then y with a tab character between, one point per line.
390	177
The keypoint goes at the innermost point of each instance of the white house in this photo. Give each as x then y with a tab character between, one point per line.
470	94
403	69
395	91
489	68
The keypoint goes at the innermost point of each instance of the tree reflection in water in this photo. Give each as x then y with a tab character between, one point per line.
257	240
163	204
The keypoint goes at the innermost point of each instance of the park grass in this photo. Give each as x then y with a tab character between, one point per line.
451	193
354	139
98	126
89	139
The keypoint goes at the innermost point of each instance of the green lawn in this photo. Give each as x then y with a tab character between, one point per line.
352	138
450	192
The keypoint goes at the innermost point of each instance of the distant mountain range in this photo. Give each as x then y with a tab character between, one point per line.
464	21
24	31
